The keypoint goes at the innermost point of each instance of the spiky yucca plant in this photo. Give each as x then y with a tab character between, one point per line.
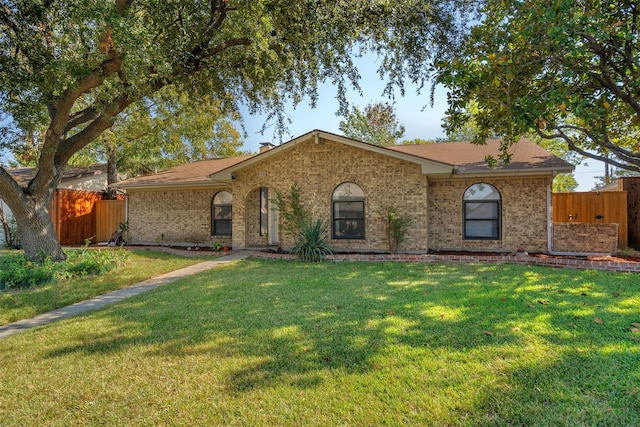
311	243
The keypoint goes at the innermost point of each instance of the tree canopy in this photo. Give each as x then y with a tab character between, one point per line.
165	130
564	69
74	67
155	133
377	124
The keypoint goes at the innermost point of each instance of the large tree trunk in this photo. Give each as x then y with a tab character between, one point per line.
8	237
37	234
112	173
35	228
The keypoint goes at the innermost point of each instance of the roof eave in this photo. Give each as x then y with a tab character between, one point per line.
155	186
514	172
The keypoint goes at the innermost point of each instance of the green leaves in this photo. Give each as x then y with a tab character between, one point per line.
377	124
570	65
396	227
311	242
70	70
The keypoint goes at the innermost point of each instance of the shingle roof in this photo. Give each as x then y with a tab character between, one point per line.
24	175
188	174
469	157
454	157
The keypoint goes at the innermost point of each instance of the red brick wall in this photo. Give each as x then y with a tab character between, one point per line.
585	238
524	214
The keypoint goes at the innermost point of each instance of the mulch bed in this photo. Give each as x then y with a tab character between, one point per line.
607	263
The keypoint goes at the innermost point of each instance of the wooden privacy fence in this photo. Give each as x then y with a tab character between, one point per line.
593	208
73	216
78	215
109	215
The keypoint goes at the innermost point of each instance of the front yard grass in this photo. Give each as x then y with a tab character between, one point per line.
17	304
263	342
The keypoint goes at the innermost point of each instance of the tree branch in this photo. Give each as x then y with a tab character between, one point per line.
627	155
61	108
81	117
103	122
605	79
219	8
59	111
241	41
11	192
633	165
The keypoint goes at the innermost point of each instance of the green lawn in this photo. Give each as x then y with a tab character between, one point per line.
276	343
141	265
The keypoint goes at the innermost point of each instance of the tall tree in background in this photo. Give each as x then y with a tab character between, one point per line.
377	124
164	131
74	67
565	69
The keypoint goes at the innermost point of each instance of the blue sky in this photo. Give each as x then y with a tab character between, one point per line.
419	118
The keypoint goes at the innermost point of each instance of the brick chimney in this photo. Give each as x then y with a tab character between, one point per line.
266	146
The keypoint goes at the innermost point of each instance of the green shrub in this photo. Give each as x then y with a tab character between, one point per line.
396	227
17	272
292	211
311	244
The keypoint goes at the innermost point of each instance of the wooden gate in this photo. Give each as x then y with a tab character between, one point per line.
72	215
109	215
596	208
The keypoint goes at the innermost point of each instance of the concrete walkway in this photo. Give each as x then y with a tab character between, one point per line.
115	296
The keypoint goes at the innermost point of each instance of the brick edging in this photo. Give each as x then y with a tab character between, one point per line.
555	262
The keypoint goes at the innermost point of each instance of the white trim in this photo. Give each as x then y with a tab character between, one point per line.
174	186
513	172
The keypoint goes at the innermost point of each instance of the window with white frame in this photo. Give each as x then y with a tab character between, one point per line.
221	214
482	212
348	211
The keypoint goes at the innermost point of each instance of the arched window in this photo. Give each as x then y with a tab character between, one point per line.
482	212
221	214
348	211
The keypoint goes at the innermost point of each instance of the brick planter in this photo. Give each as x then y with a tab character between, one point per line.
585	238
576	263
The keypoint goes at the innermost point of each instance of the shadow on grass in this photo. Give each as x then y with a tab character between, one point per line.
547	336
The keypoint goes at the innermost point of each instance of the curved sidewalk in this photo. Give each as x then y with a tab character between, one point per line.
115	296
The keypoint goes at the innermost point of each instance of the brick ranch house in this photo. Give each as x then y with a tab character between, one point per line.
455	200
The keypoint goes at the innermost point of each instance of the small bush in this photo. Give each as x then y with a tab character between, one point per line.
16	272
292	210
396	227
311	244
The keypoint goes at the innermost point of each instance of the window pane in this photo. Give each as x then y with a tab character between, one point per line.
481	210
348	190
222	212
222	198
481	191
264	211
222	227
481	229
348	210
348	229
